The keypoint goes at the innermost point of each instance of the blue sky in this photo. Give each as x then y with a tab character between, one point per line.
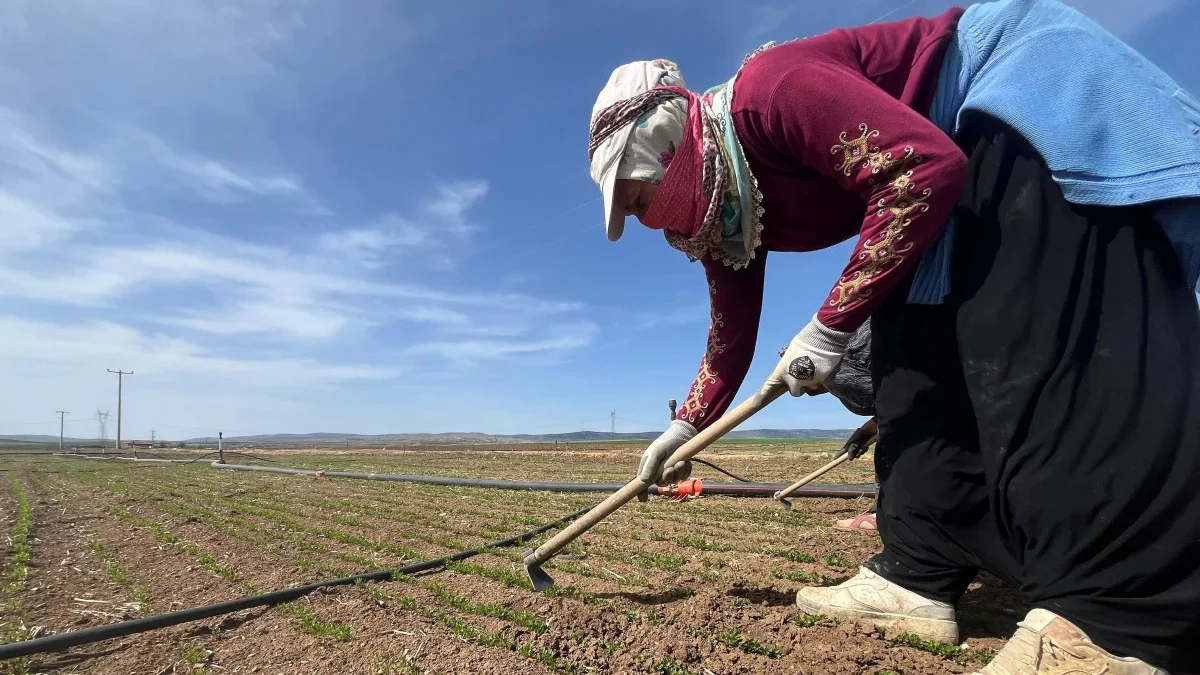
371	216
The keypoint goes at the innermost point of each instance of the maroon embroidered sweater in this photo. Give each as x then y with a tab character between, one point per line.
834	129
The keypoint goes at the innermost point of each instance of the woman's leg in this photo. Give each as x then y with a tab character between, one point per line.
933	510
1080	348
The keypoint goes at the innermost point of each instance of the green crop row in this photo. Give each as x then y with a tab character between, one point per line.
136	593
14	629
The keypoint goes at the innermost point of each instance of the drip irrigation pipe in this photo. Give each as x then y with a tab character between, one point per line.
156	459
727	489
717	468
115	630
149	460
230	452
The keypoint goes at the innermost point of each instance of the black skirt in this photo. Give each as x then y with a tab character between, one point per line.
1044	423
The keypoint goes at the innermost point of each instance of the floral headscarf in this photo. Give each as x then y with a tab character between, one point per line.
689	148
652	145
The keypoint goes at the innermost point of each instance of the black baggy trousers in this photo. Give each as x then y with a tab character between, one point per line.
1044	423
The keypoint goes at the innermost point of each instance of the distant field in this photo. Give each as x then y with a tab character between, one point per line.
704	586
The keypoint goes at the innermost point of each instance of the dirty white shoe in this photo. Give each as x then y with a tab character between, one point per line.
872	599
1047	644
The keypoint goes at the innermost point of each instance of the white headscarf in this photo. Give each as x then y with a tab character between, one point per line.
656	134
652	144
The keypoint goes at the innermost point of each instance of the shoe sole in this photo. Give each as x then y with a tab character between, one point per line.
934	630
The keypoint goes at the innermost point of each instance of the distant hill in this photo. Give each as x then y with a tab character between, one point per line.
452	438
42	438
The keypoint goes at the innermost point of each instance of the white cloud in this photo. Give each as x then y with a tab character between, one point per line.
25	225
154	163
250	317
47	193
435	315
137	191
452	202
223	286
441	227
561	338
368	245
94	344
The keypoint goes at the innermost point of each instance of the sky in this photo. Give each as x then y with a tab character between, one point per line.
372	216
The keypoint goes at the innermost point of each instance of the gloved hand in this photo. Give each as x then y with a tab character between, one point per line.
651	470
812	355
856	446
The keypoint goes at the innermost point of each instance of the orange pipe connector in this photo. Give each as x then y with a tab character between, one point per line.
680	491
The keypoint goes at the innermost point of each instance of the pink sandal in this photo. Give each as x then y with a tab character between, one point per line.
864	523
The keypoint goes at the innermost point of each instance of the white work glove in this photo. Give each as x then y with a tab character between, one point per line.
812	355
651	470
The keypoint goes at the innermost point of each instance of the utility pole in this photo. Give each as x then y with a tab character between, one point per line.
152	438
613	418
220	447
61	415
120	378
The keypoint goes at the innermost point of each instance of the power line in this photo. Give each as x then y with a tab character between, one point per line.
120	380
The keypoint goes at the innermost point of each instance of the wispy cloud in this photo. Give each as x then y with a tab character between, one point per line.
441	316
223	286
452	203
87	344
150	161
560	338
369	246
440	227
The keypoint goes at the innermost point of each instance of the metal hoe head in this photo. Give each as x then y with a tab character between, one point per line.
537	576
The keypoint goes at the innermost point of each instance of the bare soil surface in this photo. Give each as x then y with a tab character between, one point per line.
705	586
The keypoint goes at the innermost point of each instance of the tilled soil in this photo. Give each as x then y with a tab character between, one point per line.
705	586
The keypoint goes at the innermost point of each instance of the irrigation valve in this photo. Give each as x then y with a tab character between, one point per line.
680	491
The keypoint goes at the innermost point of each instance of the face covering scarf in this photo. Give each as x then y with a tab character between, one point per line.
708	203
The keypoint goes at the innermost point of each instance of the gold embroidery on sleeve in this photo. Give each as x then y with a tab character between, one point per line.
885	249
695	407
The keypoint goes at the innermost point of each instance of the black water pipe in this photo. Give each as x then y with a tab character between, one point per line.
725	489
115	630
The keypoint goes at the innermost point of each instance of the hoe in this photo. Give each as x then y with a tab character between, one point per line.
534	559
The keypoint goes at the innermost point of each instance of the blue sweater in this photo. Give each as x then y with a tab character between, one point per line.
1113	128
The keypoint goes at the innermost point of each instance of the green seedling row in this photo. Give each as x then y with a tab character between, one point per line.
14	629
135	593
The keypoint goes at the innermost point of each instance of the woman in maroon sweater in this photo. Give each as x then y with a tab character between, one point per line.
1006	439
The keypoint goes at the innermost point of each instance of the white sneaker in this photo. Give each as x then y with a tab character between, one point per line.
872	599
1047	644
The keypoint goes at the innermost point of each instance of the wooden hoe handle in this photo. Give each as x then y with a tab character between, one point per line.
688	450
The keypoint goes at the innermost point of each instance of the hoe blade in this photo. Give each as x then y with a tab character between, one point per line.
787	506
538	577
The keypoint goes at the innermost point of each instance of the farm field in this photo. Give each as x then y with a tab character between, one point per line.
703	586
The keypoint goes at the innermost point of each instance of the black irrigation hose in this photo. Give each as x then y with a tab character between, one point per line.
231	452
727	489
714	466
123	628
